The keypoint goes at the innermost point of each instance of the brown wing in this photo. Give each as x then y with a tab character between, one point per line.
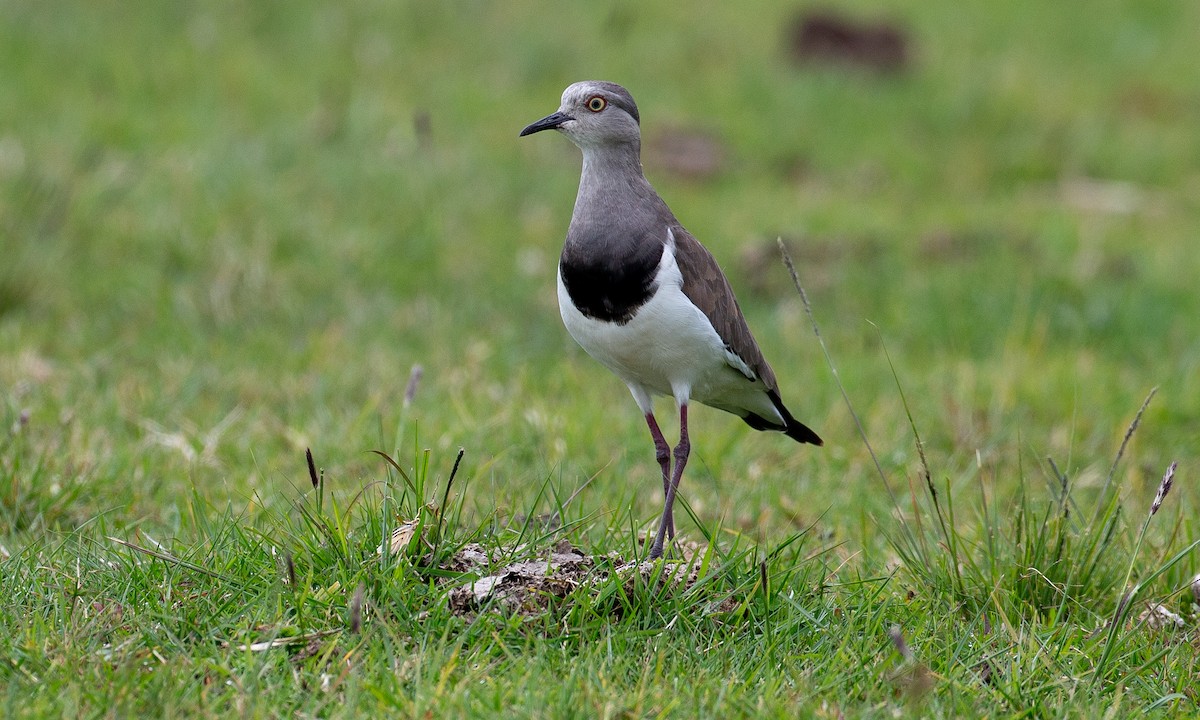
706	286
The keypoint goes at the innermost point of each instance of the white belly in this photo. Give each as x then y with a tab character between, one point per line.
670	348
668	345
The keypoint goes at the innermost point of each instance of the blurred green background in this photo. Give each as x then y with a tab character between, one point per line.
228	231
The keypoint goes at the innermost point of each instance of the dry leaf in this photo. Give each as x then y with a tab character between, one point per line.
402	538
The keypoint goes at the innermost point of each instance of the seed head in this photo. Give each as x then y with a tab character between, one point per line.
1163	488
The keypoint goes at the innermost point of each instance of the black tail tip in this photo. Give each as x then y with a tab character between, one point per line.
794	429
802	433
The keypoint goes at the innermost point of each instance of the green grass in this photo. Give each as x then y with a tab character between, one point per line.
228	233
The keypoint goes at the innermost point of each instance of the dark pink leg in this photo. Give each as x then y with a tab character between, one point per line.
662	453
682	450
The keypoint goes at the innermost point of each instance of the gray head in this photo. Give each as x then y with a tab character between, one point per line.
594	113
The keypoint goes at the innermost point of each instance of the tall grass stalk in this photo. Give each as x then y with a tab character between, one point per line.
1125	604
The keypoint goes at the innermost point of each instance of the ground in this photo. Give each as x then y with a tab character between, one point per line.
230	234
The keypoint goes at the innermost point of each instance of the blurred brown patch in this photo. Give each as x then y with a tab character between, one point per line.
945	246
423	128
965	245
1144	101
688	154
826	37
912	679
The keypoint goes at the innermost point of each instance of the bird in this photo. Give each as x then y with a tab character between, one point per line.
643	297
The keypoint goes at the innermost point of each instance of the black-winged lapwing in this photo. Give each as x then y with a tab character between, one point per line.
644	297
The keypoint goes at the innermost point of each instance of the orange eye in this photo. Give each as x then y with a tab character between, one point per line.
596	103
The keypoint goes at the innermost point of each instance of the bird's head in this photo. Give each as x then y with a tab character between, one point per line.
594	113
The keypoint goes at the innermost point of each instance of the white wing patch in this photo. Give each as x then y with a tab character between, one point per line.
739	364
731	358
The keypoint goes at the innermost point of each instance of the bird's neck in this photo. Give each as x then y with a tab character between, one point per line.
612	176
